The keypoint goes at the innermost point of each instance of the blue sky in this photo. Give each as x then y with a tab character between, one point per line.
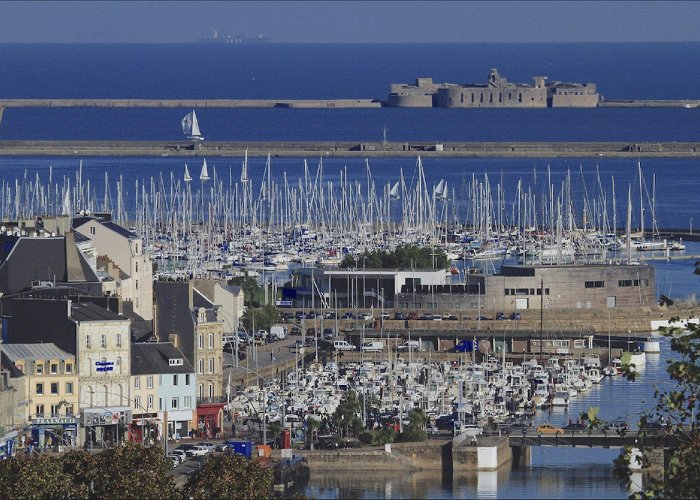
351	22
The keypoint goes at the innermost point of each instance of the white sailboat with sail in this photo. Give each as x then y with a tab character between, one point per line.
190	127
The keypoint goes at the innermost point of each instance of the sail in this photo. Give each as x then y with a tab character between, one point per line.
440	190
188	177
394	191
204	175
190	126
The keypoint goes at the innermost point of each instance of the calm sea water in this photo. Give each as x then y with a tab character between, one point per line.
621	71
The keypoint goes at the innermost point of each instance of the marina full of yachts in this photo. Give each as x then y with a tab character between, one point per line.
218	225
492	393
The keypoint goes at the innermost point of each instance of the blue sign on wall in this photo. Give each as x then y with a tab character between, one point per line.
104	366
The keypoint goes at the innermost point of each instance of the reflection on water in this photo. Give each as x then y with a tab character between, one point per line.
590	481
553	473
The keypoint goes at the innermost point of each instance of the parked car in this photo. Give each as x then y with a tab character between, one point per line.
184	447
483	318
299	315
197	451
449	317
175	459
209	446
329	315
515	316
400	316
182	456
372	347
432	430
348	315
328	333
409	345
311	315
295	331
311	332
412	316
500	316
385	315
365	317
426	317
547	428
342	345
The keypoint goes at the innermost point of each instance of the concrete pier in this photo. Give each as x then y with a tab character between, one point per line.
191	103
353	149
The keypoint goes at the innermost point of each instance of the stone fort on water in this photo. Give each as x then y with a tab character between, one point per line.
498	92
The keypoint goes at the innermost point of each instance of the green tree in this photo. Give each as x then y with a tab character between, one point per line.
251	290
129	471
312	427
347	415
230	475
259	318
37	477
404	256
132	471
678	407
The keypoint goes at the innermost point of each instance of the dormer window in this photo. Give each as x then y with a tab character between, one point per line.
202	315
175	362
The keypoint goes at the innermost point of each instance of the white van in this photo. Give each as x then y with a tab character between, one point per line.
342	345
409	345
279	332
373	347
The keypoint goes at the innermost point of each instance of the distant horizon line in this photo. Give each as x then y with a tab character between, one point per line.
206	42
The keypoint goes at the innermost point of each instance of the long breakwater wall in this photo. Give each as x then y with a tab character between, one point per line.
352	149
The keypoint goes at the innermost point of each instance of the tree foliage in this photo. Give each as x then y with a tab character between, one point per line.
259	318
230	475
347	415
404	257
678	408
251	289
129	471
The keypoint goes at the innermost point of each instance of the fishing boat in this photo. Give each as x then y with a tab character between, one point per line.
190	127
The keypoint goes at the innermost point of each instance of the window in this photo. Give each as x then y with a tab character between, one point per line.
173	403
69	409
149	402
211	365
39	389
69	367
119	339
211	390
54	368
200	341
175	379
187	379
137	382
39	410
149	382
595	284
546	291
211	341
54	389
200	366
54	410
92	230
137	270
175	362
69	387
137	284
624	283
160	404
187	403
201	390
40	368
87	341
103	341
137	403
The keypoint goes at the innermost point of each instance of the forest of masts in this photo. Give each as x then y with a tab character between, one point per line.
313	218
